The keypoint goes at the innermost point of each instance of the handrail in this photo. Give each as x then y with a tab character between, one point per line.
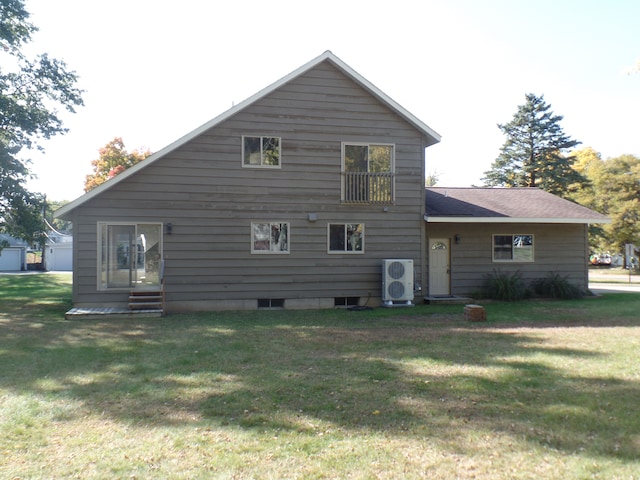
367	187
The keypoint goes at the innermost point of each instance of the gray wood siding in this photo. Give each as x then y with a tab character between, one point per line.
559	248
211	200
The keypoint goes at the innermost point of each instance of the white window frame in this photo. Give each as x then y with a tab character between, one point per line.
100	285
262	164
514	258
270	251
346	251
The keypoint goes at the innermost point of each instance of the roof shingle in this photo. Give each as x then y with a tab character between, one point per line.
444	204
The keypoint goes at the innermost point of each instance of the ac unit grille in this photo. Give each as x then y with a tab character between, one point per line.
396	290
396	270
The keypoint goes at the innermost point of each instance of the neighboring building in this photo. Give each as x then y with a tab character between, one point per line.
13	256
293	198
58	252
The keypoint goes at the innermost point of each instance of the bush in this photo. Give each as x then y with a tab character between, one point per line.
506	286
556	286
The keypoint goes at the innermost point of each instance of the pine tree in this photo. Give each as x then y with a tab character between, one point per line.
535	152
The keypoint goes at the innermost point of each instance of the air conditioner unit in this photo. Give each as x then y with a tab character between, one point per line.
397	283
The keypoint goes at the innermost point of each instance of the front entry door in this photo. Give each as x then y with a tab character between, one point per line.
439	266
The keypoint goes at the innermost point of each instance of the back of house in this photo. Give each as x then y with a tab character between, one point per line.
293	198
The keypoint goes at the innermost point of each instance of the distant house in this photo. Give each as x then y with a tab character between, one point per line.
295	198
474	231
13	254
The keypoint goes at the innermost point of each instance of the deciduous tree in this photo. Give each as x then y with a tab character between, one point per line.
114	159
31	89
535	153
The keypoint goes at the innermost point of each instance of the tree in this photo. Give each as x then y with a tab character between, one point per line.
534	154
30	91
113	160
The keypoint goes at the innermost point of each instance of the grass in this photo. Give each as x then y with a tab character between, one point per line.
541	390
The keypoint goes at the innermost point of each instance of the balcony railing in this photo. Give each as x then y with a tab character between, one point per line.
369	188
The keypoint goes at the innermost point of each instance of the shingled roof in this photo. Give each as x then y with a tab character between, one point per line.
503	205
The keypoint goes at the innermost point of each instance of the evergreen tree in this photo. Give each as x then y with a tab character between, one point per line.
535	152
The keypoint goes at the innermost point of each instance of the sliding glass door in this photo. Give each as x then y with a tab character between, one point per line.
130	255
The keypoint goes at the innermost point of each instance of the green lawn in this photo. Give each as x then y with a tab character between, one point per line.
541	390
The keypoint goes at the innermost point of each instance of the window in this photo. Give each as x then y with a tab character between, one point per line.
269	237
261	152
346	238
368	173
513	248
129	255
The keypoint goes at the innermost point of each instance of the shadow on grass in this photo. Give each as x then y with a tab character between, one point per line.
411	374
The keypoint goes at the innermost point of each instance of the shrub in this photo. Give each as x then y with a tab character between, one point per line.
555	285
506	286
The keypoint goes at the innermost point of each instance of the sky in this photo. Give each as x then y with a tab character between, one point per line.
154	70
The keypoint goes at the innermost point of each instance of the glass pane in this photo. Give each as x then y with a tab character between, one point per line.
355	158
148	256
439	246
523	248
252	151
380	158
336	238
120	255
354	237
502	247
271	151
261	236
279	237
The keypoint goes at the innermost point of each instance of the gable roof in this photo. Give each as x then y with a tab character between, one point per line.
431	135
503	205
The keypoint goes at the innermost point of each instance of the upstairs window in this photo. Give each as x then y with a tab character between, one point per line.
269	237
513	248
368	173
261	152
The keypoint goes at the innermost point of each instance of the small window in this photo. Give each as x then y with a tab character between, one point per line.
346	301
346	237
261	152
271	303
513	248
270	237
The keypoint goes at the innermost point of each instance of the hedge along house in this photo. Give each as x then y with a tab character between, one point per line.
292	198
473	232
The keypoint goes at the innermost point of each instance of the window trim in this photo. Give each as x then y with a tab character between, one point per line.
270	252
512	260
345	251
261	165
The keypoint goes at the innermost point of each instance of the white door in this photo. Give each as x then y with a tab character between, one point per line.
439	268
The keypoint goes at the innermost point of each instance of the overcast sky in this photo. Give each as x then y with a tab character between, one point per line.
154	70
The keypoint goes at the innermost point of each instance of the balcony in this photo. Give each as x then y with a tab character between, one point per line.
368	188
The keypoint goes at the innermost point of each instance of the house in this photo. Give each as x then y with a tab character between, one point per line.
13	254
291	199
295	198
475	231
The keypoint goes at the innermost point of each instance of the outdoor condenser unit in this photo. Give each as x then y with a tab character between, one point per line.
397	282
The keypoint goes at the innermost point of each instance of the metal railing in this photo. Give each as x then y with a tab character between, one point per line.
369	188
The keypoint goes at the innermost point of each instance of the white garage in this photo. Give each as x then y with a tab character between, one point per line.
12	259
